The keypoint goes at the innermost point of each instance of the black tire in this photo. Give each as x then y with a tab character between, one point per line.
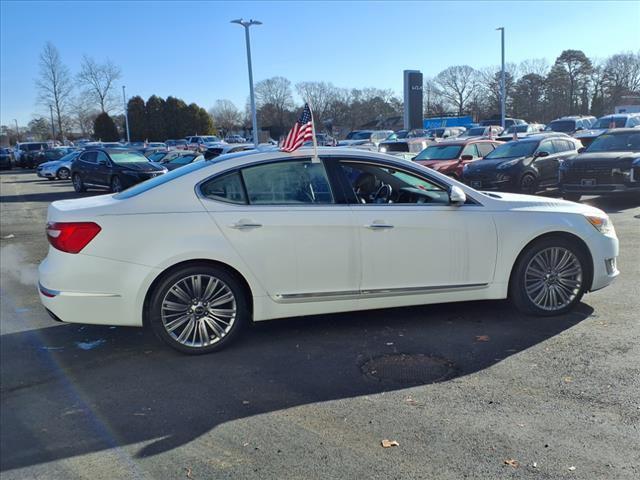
517	290
572	197
78	184
528	184
63	174
164	292
50	179
116	184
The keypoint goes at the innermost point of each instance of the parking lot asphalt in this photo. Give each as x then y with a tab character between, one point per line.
469	390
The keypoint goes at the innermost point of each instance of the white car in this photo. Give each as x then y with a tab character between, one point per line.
261	235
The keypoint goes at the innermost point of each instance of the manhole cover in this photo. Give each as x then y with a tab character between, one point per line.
405	369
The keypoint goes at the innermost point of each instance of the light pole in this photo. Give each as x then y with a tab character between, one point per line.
254	118
53	128
502	94
126	114
17	130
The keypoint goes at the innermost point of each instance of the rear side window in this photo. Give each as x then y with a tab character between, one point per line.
287	182
227	188
484	148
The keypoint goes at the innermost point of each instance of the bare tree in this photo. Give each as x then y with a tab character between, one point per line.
98	81
320	95
537	66
83	114
54	84
458	85
275	99
226	115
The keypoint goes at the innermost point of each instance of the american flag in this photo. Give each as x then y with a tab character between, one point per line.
301	132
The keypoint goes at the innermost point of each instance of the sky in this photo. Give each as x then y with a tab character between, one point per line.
190	50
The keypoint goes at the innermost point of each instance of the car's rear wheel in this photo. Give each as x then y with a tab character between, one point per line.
63	174
528	184
116	184
572	197
198	309
78	184
550	277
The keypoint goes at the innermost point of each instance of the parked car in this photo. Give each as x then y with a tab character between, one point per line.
359	138
445	132
112	168
405	141
449	158
521	131
619	120
527	165
324	140
58	169
570	124
214	152
265	238
201	143
508	122
175	158
235	139
489	131
609	165
176	144
6	159
26	153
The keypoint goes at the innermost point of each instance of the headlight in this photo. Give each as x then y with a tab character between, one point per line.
601	223
508	164
383	148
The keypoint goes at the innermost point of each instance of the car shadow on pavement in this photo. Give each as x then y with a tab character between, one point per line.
76	389
615	204
43	197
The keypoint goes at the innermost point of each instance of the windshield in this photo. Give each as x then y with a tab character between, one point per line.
564	126
625	142
128	157
398	134
70	156
475	132
611	122
157	156
181	160
513	150
361	136
440	152
211	139
518	128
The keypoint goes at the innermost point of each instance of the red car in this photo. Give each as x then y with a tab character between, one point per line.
450	157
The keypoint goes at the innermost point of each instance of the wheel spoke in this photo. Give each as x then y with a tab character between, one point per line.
219	332
196	285
186	331
172	325
226	298
179	292
212	284
173	306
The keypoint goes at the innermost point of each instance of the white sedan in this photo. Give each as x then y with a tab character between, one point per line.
201	251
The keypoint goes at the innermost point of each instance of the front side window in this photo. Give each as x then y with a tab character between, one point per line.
89	157
102	158
288	182
471	150
379	184
484	149
513	150
439	152
547	147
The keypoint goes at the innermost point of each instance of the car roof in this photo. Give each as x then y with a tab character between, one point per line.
620	115
620	131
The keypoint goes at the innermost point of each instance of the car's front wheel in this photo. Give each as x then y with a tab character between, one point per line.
550	277
78	184
572	197
116	184
63	174
198	309
528	184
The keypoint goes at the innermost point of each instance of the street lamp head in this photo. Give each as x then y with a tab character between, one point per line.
246	23
500	28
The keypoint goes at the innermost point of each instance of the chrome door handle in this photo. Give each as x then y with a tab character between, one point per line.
245	225
379	226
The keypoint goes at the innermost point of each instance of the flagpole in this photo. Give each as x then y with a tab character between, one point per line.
313	132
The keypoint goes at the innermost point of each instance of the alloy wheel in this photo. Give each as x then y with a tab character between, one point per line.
553	278
116	185
63	174
198	310
527	184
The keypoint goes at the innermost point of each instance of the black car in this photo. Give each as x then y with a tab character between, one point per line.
175	158
113	168
610	164
28	153
6	162
527	165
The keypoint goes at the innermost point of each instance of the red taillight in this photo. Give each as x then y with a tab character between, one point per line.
71	237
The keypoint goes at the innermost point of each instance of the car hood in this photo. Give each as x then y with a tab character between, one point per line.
488	164
589	133
613	159
347	143
435	164
51	164
141	167
519	202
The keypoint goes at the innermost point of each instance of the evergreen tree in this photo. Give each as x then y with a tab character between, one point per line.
104	128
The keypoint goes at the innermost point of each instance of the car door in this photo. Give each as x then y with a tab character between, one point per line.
408	246
547	167
284	220
87	166
103	170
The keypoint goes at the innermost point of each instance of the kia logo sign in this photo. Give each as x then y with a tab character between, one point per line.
416	87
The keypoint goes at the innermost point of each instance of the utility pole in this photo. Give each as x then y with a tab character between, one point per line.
126	114
17	130
502	92
53	128
254	118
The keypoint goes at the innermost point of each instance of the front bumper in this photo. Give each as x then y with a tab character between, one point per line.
599	189
45	173
604	252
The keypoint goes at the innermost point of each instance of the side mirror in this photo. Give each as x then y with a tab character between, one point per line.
465	158
541	154
581	149
456	195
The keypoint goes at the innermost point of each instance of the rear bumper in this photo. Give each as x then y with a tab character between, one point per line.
85	289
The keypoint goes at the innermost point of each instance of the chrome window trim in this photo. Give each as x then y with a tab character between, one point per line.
372	293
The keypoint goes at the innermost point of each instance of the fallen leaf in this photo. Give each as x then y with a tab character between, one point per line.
410	401
189	472
388	344
389	443
567	379
572	468
7	237
482	338
534	465
511	462
245	402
